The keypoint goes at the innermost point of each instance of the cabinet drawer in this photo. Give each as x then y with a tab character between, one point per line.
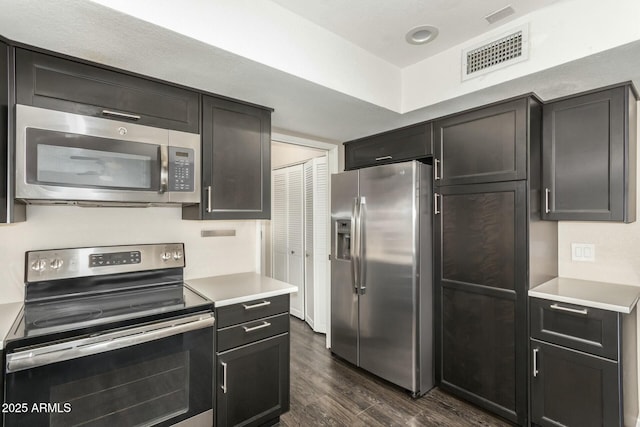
586	329
409	143
251	310
59	84
245	333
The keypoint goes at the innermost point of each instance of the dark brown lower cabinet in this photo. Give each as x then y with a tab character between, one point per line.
252	362
583	369
571	388
253	383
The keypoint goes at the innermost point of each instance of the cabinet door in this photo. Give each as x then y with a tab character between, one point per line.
570	388
60	84
410	143
485	145
4	131
236	156
480	263
589	160
253	383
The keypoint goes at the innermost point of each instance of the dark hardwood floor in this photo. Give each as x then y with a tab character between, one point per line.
326	391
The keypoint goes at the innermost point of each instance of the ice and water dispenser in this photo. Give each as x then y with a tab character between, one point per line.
343	240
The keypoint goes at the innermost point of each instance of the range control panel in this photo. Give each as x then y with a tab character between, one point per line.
118	258
181	169
82	262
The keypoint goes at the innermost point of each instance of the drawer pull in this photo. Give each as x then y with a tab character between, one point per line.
258	305
255	328
582	311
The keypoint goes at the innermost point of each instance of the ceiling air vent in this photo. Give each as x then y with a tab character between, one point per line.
505	50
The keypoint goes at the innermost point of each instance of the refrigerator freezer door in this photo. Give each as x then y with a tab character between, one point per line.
344	299
388	300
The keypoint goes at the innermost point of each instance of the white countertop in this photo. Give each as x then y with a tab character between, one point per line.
8	314
603	295
237	288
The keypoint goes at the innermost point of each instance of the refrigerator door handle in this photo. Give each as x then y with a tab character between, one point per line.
353	250
362	256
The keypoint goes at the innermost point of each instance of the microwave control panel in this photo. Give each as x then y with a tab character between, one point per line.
181	169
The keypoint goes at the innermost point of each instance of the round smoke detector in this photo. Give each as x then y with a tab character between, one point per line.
422	34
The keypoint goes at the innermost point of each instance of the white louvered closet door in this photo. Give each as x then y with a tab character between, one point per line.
295	237
320	243
279	251
308	243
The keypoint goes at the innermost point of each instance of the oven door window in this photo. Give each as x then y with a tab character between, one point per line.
70	160
156	383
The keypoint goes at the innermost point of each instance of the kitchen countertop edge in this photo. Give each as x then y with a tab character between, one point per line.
589	294
238	288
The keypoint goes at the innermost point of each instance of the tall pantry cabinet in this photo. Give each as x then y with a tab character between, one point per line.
490	248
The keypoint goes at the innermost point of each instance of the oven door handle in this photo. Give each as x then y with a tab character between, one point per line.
49	354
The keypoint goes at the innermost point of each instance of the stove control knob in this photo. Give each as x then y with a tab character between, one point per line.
177	255
56	263
39	265
166	256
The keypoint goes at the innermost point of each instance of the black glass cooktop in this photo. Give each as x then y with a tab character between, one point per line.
79	312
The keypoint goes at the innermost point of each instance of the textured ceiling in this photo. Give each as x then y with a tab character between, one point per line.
86	30
380	26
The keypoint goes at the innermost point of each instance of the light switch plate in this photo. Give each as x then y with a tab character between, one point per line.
583	252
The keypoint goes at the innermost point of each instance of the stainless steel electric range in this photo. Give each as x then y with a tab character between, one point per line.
109	336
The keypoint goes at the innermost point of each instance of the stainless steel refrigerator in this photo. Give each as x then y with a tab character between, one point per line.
381	272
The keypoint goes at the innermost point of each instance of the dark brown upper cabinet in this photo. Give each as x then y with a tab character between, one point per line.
236	162
483	145
589	157
10	211
59	84
409	143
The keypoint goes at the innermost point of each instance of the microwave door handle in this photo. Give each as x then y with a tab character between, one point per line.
164	169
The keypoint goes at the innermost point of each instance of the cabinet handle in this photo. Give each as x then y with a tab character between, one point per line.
436	211
547	195
582	311
436	175
255	328
209	199
224	377
383	158
535	362
120	115
260	304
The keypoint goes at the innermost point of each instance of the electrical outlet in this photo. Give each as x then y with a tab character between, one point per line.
583	252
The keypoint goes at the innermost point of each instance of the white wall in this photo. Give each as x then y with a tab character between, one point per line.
50	227
283	154
560	33
267	33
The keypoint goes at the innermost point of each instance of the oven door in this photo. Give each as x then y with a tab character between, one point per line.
155	374
69	157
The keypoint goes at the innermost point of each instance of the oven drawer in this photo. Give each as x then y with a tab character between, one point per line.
582	328
245	333
251	310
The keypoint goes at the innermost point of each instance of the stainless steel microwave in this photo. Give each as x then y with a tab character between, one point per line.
65	158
